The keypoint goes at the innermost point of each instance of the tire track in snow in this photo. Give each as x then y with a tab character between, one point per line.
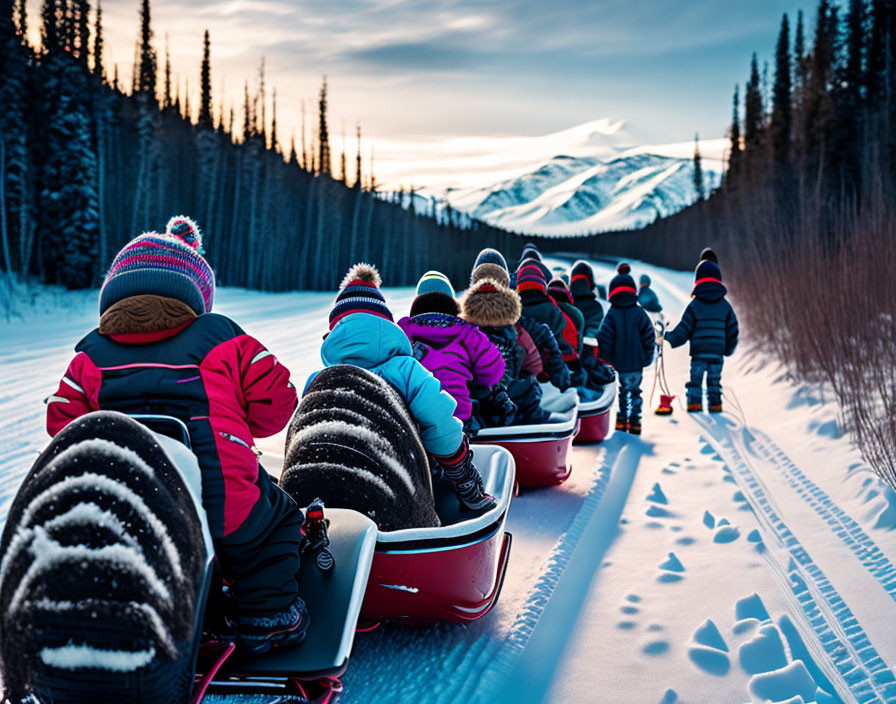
521	668
850	660
843	525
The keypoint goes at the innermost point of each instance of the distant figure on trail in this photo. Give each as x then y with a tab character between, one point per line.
709	323
626	342
647	297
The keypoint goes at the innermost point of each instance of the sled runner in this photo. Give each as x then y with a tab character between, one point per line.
539	451
450	573
594	417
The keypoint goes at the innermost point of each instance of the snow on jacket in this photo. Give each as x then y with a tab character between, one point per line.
495	309
709	323
457	353
647	297
218	380
380	346
626	337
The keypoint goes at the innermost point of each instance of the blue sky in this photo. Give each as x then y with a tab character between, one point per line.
422	71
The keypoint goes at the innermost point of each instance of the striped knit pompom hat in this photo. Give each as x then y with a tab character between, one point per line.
359	292
530	277
435	294
168	265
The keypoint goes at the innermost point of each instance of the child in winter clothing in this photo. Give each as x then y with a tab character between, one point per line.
457	353
160	350
626	341
711	326
560	294
532	287
490	304
646	296
581	286
362	333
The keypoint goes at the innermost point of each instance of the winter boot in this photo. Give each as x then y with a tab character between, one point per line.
716	407
695	407
634	426
665	407
621	424
466	480
256	635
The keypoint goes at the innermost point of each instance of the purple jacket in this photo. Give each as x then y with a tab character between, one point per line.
457	353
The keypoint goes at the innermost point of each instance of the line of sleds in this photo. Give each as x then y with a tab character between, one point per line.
354	579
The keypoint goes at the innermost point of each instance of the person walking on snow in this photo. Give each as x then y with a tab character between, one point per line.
626	342
709	323
362	333
160	349
646	296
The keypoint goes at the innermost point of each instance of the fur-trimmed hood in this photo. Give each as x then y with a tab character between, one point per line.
489	304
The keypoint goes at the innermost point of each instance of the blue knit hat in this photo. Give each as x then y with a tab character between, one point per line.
360	293
435	282
623	291
168	265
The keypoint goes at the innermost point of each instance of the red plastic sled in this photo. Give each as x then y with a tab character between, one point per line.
451	573
540	451
594	417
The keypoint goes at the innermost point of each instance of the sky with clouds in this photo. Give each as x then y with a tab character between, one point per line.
425	77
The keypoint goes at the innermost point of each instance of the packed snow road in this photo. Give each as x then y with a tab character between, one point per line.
734	558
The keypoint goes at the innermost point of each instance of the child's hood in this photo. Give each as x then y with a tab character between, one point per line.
436	329
364	340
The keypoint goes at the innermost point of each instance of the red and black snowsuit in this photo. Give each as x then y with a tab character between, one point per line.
228	389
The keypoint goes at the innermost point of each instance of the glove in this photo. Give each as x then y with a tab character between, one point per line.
465	479
497	409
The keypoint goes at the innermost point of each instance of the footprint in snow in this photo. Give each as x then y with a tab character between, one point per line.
672	564
629	610
657	496
626	625
658	512
656	647
726	534
686	540
634	598
750	607
670	697
764	652
709	520
708	650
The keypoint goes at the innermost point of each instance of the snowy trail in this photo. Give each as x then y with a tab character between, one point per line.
853	663
636	564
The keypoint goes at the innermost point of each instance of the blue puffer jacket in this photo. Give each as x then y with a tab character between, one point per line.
381	347
710	324
626	337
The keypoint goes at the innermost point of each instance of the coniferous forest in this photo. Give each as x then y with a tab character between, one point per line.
805	220
90	163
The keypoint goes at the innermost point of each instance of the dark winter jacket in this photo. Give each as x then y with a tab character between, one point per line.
647	297
582	288
555	368
222	383
709	323
626	337
495	309
539	307
457	353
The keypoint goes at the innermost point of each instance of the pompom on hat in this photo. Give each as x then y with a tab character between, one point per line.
168	265
623	291
359	292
